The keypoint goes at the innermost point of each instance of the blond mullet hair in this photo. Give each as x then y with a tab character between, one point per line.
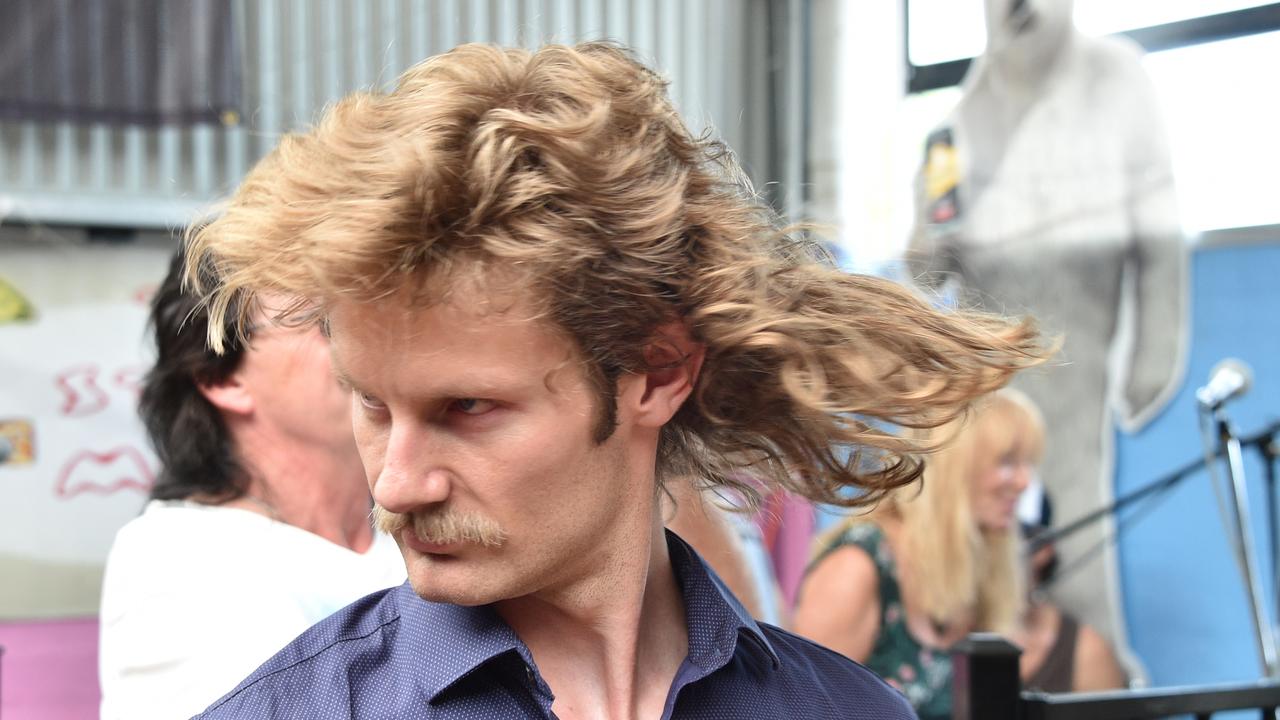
568	170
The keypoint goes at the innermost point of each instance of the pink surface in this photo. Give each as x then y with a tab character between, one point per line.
49	670
787	524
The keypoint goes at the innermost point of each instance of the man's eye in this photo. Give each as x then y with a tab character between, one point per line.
370	401
473	406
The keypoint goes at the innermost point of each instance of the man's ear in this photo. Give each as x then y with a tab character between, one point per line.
674	360
230	395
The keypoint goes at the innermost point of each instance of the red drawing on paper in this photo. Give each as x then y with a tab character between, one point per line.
142	294
104	473
130	378
81	394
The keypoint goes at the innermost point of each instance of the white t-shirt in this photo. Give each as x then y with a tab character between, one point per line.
196	597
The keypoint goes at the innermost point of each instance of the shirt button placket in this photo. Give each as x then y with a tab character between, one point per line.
539	694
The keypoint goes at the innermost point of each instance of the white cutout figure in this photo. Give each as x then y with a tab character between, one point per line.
1049	191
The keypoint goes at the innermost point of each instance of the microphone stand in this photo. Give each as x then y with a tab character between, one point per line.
1230	446
1264	439
1243	538
1268	450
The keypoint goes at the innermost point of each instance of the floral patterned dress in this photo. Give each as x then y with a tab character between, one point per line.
921	673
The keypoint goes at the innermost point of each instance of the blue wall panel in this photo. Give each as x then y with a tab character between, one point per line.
1185	601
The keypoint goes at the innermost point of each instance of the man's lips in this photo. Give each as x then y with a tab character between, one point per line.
428	548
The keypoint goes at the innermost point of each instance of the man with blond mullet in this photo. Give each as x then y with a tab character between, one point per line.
547	299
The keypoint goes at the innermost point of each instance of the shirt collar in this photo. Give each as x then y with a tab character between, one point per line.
716	619
445	642
457	640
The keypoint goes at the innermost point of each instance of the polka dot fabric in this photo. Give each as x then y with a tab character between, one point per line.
393	655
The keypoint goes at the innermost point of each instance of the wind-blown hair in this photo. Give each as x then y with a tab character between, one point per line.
956	566
197	455
568	171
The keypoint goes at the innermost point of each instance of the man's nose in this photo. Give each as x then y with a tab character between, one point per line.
412	475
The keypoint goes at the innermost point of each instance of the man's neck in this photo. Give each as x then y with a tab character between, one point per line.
611	647
314	489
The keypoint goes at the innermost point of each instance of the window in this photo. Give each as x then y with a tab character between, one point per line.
941	31
1212	61
1221	118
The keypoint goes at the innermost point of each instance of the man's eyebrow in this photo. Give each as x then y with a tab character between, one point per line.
338	372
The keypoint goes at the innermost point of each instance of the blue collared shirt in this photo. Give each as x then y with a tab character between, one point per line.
394	655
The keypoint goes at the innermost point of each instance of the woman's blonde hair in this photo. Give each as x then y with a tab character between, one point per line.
568	172
956	567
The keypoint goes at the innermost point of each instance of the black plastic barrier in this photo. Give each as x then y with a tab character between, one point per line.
987	687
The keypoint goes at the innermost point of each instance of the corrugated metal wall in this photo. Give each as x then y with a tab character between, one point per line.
301	54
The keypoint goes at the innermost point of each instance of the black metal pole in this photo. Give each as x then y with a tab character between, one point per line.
1268	450
1229	443
985	682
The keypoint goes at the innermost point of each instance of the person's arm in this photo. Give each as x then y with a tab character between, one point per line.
1160	256
839	603
1096	667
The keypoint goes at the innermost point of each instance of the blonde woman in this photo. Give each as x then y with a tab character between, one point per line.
896	587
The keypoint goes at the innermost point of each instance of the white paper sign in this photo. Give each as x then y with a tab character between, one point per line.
79	465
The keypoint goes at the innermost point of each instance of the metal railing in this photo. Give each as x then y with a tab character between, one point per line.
987	687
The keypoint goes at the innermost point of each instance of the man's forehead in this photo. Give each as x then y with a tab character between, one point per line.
469	287
408	317
508	324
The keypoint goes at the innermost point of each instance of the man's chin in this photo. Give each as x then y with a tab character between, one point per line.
432	590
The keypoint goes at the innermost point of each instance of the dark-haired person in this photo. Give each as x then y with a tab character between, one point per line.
258	525
1059	653
548	298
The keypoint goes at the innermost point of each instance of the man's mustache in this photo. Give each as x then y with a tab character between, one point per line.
442	526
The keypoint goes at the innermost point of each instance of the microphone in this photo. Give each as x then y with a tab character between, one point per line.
1229	379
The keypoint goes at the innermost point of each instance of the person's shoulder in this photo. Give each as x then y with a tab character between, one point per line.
177	545
1113	49
864	531
163	521
1096	666
847	574
865	534
1117	59
144	552
861	543
155	517
321	657
822	672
